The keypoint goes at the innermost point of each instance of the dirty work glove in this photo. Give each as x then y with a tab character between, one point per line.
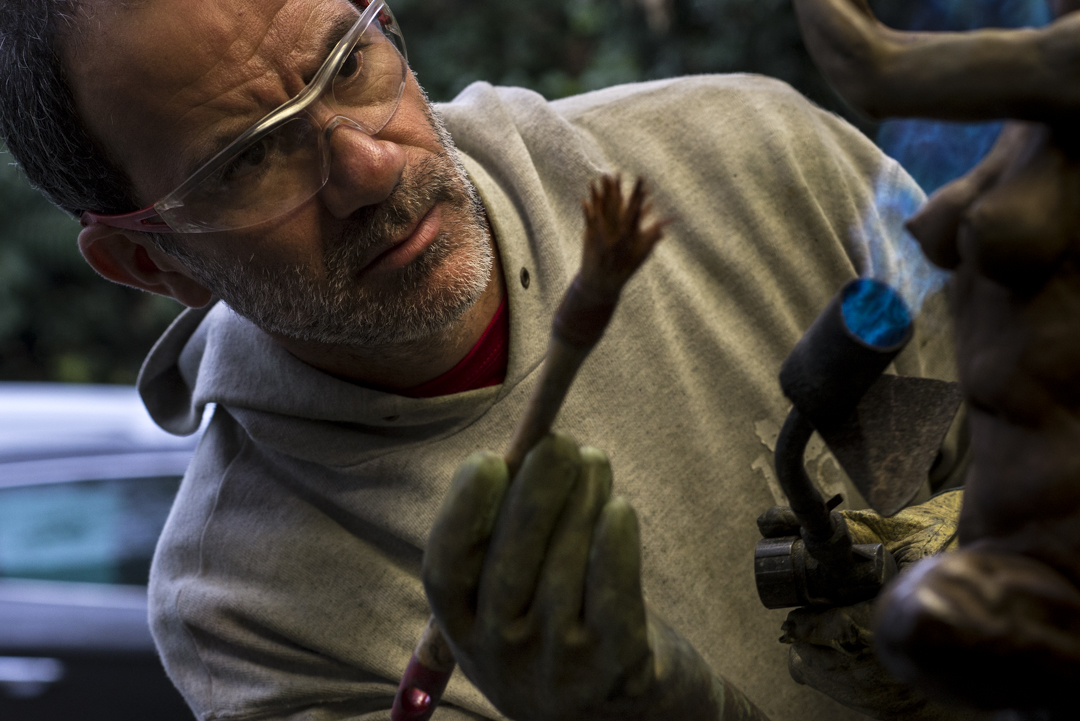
832	649
536	585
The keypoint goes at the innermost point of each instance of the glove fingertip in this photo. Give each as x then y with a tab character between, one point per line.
619	522
483	462
595	462
614	573
475	495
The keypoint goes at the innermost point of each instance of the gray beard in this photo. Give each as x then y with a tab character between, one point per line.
290	302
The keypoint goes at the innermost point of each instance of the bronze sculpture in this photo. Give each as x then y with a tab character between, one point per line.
997	623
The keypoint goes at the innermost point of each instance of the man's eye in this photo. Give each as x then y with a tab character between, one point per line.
253	155
351	64
247	161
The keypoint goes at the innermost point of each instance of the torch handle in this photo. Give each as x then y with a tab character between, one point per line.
803	496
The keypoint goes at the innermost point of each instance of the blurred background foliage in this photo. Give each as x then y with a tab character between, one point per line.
569	47
58	321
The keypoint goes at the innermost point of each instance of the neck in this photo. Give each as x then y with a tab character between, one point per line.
409	364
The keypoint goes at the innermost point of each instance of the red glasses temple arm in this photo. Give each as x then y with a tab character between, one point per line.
146	220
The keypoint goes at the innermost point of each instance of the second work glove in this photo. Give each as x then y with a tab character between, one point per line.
832	649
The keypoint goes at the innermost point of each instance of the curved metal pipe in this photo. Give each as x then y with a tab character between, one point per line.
803	497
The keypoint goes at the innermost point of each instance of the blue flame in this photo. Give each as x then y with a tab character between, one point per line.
883	247
936	153
933	153
875	313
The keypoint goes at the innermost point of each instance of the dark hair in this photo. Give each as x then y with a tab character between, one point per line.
38	119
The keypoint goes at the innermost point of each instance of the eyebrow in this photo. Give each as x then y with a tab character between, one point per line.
336	31
221	139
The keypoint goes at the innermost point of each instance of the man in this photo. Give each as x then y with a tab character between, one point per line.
386	301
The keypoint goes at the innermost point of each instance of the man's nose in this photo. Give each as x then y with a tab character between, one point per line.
363	169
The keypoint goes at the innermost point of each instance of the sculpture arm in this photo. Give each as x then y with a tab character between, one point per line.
1028	74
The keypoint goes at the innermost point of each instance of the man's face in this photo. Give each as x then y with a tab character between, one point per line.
393	249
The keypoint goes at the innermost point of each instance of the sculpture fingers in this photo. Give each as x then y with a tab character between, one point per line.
937	223
993	630
1018	230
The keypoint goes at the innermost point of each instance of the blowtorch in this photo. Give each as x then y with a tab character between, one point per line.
884	430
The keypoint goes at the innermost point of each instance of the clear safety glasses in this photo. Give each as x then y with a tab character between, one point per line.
284	159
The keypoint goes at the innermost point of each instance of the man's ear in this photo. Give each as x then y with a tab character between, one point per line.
132	258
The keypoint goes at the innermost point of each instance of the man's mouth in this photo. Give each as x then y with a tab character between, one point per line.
406	248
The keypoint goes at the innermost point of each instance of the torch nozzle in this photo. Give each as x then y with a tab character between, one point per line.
832	366
845	350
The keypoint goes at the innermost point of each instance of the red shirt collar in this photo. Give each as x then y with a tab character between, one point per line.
483	366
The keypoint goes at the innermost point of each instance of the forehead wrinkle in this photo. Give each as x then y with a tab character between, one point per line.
260	79
289	76
190	74
295	54
217	97
327	29
206	143
240	62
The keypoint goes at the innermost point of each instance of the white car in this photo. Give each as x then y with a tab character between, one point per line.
86	483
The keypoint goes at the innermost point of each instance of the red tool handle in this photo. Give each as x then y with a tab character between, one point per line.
419	692
425	677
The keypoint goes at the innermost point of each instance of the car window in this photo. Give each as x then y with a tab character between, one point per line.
100	531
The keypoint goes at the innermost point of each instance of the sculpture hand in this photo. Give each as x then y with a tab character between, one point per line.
537	587
984	625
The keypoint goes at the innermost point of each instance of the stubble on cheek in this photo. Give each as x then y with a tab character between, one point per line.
340	304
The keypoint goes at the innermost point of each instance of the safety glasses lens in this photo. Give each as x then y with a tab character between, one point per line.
370	80
269	175
279	169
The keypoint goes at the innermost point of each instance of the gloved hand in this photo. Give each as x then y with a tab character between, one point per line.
536	585
832	649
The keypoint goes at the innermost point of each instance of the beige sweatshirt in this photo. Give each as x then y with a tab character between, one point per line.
286	582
